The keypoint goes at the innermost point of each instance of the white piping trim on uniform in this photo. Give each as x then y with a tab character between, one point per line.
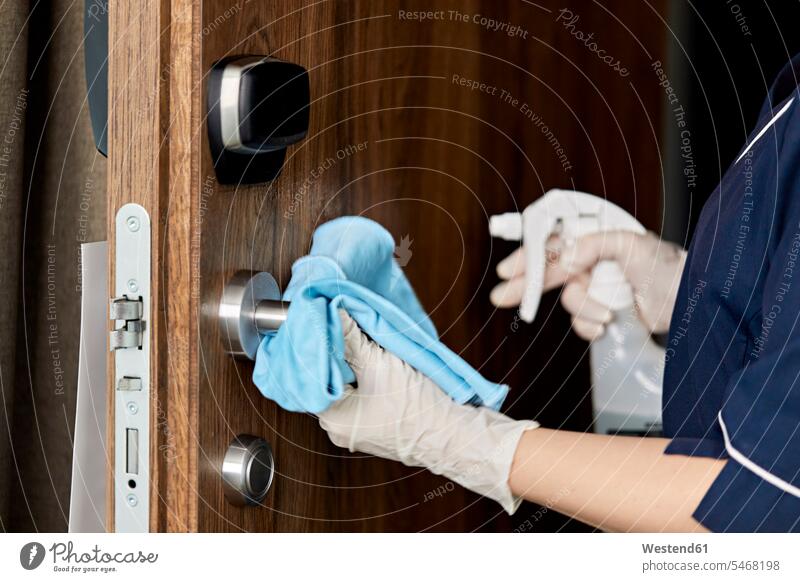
748	464
764	129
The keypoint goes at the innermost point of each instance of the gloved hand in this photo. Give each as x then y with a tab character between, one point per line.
398	413
652	266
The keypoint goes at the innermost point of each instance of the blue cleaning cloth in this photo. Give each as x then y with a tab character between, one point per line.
351	266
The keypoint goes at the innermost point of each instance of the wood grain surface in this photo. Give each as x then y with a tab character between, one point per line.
396	135
137	161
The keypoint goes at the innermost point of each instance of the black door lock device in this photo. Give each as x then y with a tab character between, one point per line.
257	106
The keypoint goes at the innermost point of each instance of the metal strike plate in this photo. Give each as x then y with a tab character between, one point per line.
130	342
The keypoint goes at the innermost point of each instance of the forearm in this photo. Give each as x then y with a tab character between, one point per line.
612	482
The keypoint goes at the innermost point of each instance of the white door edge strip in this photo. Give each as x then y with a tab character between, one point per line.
750	465
764	129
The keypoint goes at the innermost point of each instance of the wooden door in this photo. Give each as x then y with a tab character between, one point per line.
426	126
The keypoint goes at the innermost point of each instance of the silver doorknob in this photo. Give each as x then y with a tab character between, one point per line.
247	470
250	307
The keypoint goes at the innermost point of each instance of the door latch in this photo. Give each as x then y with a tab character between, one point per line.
127	313
130	344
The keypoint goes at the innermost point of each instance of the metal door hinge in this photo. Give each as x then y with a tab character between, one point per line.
130	344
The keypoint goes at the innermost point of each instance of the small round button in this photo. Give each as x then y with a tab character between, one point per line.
247	470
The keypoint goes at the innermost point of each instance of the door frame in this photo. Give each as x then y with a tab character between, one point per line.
155	104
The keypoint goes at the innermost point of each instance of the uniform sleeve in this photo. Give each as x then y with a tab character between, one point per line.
759	487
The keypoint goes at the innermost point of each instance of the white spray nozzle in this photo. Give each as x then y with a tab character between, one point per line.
507	226
569	214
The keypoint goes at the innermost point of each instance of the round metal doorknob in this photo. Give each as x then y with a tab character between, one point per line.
247	470
251	306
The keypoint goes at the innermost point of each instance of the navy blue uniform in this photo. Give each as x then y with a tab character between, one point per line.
732	386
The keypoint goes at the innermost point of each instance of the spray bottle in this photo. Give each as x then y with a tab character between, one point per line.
627	365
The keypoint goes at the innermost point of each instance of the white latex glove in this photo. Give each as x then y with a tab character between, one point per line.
652	266
398	413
